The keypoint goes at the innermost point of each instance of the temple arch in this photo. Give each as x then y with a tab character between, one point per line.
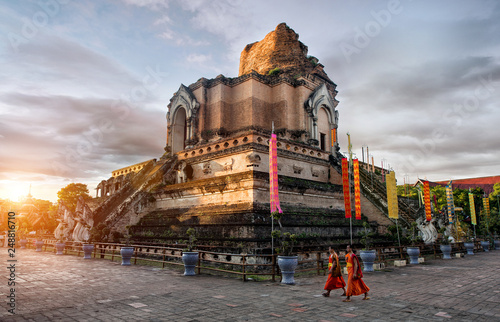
179	130
324	130
322	118
182	119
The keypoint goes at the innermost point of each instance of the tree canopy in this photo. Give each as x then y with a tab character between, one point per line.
69	194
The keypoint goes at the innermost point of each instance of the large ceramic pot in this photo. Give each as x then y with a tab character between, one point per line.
39	245
126	253
497	244
23	243
470	248
486	245
60	248
190	259
413	252
368	257
446	250
87	251
287	265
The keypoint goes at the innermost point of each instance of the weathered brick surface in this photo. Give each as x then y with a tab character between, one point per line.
280	48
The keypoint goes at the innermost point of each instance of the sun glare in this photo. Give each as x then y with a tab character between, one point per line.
14	191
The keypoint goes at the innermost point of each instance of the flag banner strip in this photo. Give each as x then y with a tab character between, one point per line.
345	185
486	205
357	192
273	175
427	201
392	196
449	202
472	209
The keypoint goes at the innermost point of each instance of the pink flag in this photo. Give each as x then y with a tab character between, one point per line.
273	175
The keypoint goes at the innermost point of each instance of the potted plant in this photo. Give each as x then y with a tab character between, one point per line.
60	246
88	248
22	238
287	262
126	251
367	255
486	245
469	244
413	251
190	258
38	242
445	244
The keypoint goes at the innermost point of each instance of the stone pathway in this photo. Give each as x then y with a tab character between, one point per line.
69	288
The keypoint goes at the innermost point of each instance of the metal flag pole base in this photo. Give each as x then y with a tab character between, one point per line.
272	236
350	227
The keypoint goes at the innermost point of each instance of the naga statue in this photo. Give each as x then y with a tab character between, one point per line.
427	229
74	225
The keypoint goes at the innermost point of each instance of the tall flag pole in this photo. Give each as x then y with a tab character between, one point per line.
427	201
367	158
357	192
349	148
392	199
449	202
382	166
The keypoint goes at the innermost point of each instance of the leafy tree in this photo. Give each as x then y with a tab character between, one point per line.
69	194
407	191
440	193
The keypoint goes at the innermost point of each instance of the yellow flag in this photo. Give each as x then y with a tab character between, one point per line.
392	196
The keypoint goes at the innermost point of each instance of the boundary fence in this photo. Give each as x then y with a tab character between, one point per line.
241	265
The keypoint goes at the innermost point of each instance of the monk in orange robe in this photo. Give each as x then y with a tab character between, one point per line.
335	279
355	285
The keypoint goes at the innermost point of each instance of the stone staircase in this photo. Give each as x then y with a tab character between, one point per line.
375	191
134	193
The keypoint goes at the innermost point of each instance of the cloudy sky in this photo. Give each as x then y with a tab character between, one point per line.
84	85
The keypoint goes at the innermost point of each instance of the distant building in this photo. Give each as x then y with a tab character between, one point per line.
486	183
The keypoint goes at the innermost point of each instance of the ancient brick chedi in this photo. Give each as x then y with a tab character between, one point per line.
214	175
280	49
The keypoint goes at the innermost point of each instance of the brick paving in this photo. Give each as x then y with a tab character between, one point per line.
69	288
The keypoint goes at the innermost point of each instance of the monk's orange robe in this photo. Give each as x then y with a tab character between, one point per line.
355	286
335	279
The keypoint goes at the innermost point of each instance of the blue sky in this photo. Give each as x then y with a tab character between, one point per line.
85	84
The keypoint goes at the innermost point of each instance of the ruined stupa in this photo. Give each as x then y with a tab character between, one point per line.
214	175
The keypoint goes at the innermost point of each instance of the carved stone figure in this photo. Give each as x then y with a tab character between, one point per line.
428	230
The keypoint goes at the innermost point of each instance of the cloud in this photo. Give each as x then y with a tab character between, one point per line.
151	4
51	143
198	58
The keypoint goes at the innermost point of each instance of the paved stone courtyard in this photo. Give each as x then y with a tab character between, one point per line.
69	288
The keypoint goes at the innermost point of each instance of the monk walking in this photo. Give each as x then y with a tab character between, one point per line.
355	285
335	279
